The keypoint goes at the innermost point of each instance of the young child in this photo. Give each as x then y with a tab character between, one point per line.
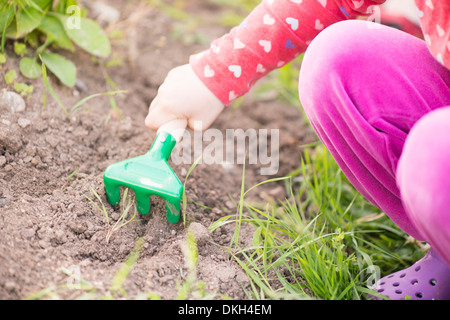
378	98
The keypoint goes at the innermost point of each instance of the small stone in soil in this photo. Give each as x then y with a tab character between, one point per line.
4	202
12	101
200	232
23	123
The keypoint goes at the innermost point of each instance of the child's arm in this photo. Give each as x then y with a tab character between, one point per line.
271	36
182	100
274	33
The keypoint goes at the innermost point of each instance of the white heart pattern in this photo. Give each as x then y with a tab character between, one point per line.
297	1
268	20
238	44
440	58
215	49
237	70
292	22
318	25
420	13
429	4
208	72
427	39
266	44
441	32
260	68
232	95
358	4
323	3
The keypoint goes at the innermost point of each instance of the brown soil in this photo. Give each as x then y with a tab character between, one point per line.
46	222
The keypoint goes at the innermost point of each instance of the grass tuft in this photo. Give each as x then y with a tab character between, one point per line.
128	206
324	242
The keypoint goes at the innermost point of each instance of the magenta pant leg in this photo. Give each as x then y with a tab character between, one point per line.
423	176
363	88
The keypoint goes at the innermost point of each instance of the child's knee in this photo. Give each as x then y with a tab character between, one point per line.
422	177
424	168
330	59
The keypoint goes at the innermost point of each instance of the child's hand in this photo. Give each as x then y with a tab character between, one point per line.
182	100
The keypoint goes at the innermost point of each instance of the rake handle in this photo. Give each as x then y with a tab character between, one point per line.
162	146
166	138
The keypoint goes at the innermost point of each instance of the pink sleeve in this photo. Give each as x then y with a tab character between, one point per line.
274	33
435	21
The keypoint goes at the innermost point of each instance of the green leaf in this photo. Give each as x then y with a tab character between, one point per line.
62	5
23	89
6	17
50	89
87	34
53	28
62	68
2	58
43	4
30	68
10	76
27	20
20	49
33	38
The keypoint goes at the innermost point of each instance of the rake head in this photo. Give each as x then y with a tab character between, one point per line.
147	175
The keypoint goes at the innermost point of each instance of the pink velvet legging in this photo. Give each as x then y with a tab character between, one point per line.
380	103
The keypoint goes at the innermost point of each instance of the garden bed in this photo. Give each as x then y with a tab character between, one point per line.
53	240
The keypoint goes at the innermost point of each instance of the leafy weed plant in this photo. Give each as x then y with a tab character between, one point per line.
47	25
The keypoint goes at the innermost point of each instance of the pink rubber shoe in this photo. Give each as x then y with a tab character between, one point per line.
427	279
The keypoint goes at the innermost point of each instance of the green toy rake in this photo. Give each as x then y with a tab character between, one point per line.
147	175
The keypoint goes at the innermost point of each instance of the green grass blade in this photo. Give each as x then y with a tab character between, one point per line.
84	100
50	89
124	271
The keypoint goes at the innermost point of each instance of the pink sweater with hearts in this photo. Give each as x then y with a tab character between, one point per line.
277	31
